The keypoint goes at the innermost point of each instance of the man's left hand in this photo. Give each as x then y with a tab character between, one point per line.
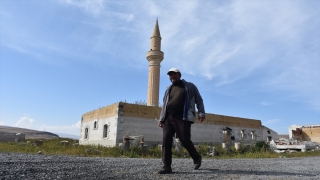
201	119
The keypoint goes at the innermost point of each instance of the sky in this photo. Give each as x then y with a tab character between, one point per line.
60	59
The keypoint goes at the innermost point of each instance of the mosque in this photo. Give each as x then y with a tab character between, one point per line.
108	125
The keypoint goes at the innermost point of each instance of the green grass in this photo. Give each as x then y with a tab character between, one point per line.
258	150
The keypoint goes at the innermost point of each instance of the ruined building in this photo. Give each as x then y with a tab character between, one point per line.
108	125
305	133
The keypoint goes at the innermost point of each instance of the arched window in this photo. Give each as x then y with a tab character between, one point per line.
86	133
95	125
105	131
243	135
252	135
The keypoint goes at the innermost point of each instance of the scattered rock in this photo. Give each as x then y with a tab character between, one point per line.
64	143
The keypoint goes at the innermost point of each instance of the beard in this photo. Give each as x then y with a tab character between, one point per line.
174	81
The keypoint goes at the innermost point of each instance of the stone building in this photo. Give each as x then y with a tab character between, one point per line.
108	125
305	133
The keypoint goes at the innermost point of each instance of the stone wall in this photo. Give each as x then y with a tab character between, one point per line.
102	113
305	133
132	120
311	133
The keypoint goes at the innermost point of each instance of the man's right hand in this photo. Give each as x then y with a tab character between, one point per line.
160	124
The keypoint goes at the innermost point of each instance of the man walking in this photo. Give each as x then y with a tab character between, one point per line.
177	115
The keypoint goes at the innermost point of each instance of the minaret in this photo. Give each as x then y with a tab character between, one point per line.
154	56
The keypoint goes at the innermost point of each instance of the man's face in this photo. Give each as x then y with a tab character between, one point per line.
174	77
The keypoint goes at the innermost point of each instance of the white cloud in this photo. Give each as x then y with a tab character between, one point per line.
73	129
272	121
25	122
264	103
224	42
130	17
95	7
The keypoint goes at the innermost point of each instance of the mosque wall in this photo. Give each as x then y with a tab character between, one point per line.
108	125
104	112
100	126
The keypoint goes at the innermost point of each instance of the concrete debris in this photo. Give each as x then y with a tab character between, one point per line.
177	145
133	141
279	151
64	143
283	145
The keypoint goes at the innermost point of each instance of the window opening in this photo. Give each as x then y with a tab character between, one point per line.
95	125
252	135
242	135
232	138
105	131
86	133
269	138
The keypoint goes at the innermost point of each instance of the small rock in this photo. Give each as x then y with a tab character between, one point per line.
64	143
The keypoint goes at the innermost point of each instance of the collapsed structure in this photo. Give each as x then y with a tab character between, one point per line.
305	133
301	138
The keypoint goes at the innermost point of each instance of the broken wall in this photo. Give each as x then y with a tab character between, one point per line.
311	133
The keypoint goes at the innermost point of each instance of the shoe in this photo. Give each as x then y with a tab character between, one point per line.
197	163
165	170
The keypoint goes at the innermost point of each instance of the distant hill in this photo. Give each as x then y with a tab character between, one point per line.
71	136
30	134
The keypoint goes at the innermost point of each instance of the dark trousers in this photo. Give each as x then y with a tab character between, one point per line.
182	128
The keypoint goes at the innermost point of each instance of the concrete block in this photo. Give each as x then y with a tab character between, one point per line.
64	143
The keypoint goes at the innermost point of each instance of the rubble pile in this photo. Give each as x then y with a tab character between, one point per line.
283	145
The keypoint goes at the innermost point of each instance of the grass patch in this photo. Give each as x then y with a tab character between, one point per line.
53	146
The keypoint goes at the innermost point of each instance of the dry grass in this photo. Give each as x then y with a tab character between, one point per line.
53	147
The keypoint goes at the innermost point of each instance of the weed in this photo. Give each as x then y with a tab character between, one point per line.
53	146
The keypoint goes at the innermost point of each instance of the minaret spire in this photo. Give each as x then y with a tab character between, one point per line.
156	31
154	56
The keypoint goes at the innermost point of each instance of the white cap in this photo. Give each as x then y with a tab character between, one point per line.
173	70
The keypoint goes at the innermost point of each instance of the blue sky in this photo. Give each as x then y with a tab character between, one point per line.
251	59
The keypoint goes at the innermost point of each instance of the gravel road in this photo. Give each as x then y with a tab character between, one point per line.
35	166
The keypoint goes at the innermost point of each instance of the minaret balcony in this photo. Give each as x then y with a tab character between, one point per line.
154	55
